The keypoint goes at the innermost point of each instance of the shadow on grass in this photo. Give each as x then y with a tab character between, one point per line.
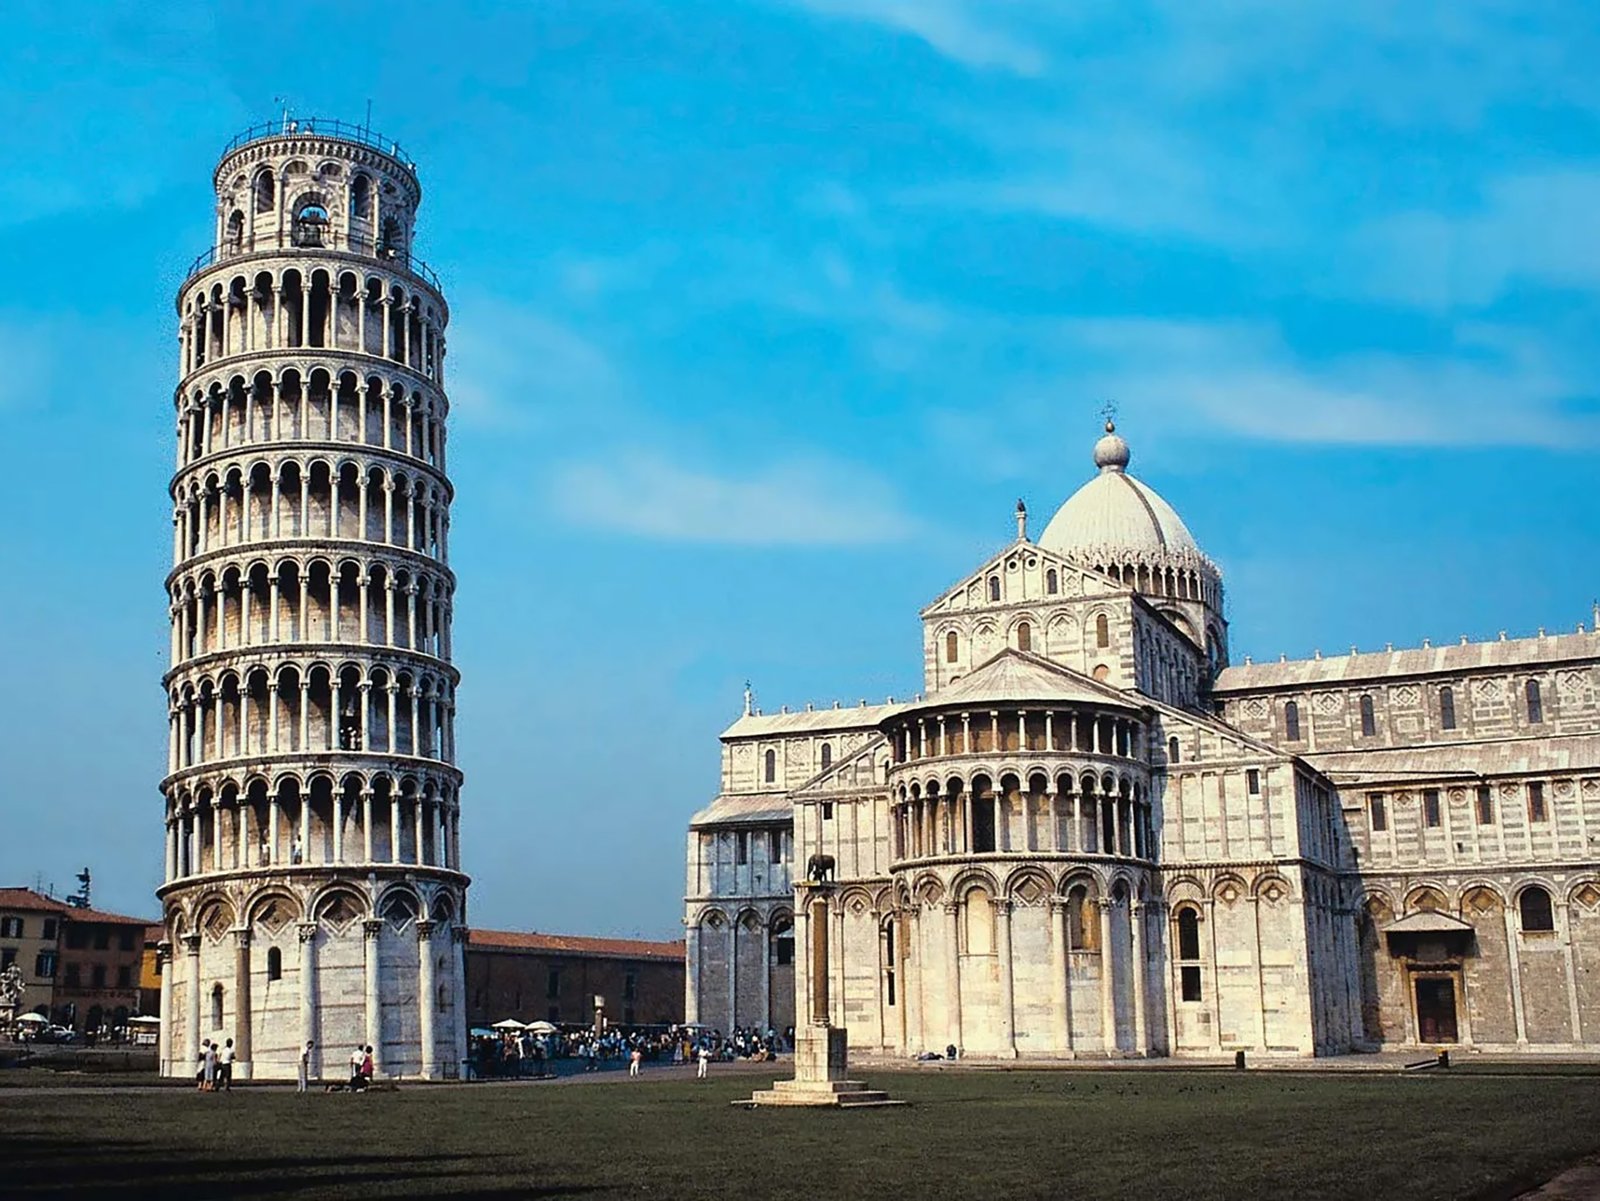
52	1166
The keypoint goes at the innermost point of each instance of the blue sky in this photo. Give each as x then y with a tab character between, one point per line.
765	313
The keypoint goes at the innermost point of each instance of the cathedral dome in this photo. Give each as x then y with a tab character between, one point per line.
1116	513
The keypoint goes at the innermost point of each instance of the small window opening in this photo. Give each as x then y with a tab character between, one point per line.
311	225
1024	636
994	587
1052	583
1535	703
770	767
1291	721
1173	750
1538	914
274	964
1379	811
1485	806
1369	719
827	811
1536	806
952	647
827	755
1102	631
1430	808
1252	781
1447	708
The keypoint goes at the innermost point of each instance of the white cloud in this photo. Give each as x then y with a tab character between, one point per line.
1530	228
1492	387
808	502
963	32
513	367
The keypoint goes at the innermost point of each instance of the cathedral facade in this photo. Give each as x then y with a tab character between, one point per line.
1093	835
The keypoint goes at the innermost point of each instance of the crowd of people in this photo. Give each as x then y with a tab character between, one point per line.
513	1053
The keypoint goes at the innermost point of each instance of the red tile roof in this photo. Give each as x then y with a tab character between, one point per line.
26	898
100	915
568	944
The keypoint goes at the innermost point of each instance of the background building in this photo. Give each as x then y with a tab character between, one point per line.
313	884
80	965
556	977
30	937
1092	835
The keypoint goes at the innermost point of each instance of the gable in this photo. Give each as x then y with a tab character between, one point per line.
1022	572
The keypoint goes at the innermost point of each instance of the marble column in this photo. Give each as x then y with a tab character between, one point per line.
952	913
1141	1041
191	1032
164	959
1008	1017
308	994
1108	997
427	1001
373	929
691	975
242	1016
1061	985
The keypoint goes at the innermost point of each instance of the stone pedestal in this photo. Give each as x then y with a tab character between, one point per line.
821	1068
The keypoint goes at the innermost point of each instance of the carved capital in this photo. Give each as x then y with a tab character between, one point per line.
459	934
372	927
191	944
424	929
307	931
241	937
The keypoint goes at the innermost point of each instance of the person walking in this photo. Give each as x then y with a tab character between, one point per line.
303	1076
225	1066
704	1069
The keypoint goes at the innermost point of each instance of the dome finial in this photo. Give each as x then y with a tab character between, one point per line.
1111	452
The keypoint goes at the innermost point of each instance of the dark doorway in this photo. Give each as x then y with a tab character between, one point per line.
1436	1011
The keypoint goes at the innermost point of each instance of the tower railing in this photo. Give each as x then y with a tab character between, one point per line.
319	127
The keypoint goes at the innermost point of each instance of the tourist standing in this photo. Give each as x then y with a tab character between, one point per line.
634	1061
357	1058
225	1066
200	1067
705	1064
367	1068
303	1077
210	1069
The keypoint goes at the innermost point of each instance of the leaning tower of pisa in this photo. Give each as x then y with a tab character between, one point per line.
313	880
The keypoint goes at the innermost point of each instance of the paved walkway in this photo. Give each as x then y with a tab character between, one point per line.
1580	1183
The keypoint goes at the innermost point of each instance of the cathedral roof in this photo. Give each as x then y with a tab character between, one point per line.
1015	676
809	721
1114	512
1541	651
1467	761
752	809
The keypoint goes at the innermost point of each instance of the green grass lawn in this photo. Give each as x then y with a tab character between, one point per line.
967	1134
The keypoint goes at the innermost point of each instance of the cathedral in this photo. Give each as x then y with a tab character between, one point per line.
1094	835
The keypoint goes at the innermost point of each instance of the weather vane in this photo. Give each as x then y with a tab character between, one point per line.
1109	412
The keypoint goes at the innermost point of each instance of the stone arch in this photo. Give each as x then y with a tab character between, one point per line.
1269	883
1029	885
1427	897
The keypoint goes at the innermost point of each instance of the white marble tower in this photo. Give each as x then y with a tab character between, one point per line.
313	881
